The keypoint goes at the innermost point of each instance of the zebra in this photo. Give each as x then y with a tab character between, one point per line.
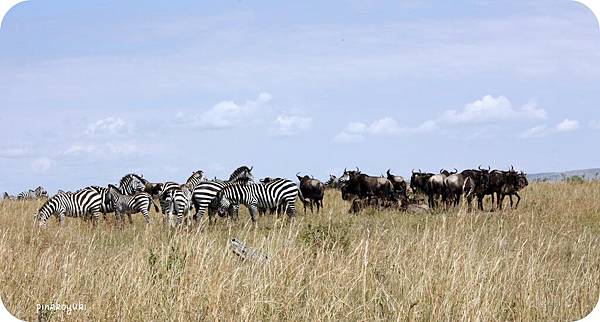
203	195
176	200
132	183
279	192
39	192
125	204
83	203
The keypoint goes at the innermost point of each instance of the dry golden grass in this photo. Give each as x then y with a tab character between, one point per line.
540	262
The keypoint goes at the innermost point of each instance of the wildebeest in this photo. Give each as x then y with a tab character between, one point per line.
376	203
453	185
476	183
312	192
398	182
365	186
418	182
514	183
435	187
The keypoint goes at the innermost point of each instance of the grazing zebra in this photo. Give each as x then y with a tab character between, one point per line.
125	204
203	195
132	183
39	192
83	203
279	192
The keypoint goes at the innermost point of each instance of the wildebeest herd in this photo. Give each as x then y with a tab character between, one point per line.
189	201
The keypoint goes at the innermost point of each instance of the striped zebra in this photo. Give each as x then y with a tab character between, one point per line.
39	192
126	204
203	195
279	192
132	183
83	203
176	200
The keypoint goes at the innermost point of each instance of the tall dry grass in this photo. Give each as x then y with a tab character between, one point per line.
540	262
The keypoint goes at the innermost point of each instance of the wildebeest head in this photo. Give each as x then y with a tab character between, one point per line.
522	180
418	180
444	172
349	174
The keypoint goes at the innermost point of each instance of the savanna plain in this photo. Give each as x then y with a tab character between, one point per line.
540	262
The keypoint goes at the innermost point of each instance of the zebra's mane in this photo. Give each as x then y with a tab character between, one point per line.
196	174
242	173
127	178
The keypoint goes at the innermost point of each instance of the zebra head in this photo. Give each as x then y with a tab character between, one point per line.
132	183
113	195
224	204
243	174
40	192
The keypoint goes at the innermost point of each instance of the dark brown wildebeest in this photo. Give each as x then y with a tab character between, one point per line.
365	186
398	182
377	203
513	184
476	183
312	190
418	182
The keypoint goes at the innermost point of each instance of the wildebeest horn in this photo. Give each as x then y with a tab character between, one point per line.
479	167
252	167
345	170
388	172
512	168
413	171
357	169
455	171
420	171
297	173
489	168
441	170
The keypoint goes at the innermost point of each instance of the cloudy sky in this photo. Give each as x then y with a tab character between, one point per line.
91	90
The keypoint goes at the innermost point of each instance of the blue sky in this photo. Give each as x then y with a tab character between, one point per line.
92	90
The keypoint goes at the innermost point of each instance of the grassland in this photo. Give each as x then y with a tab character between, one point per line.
538	263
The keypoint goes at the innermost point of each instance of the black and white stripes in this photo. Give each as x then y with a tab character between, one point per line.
83	203
124	204
279	192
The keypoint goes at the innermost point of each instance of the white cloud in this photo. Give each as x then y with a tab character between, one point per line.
535	132
42	164
543	130
345	137
288	125
104	149
492	109
227	114
386	126
109	126
567	125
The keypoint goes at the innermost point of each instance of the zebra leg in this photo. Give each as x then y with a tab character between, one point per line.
61	218
291	209
252	210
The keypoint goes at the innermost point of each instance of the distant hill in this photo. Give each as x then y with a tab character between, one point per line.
587	174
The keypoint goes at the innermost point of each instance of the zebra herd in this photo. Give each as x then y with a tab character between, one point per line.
134	194
38	193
